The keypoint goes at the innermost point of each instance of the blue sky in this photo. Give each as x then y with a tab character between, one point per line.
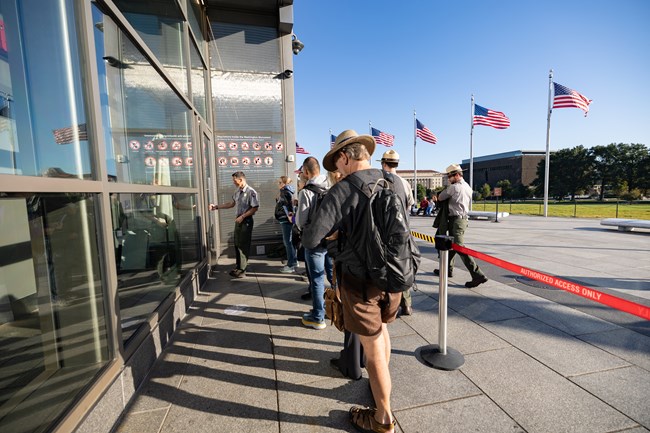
378	60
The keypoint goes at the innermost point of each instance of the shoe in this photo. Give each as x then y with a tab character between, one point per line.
239	273
288	270
476	281
450	274
310	322
363	419
306	296
233	272
406	311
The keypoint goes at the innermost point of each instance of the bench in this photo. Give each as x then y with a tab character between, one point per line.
626	225
490	216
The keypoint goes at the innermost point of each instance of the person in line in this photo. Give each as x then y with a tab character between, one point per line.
424	203
247	203
314	254
389	163
284	214
367	308
459	197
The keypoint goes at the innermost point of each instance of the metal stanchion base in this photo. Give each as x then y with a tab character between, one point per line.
432	355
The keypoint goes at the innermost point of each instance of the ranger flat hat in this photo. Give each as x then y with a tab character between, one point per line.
453	168
346	137
389	156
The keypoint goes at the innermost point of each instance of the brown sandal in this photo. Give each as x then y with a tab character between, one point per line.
363	419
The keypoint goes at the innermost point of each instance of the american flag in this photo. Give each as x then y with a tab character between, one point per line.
301	150
382	137
487	117
424	133
332	140
567	98
70	134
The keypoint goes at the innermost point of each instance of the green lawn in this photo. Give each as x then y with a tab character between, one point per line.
585	209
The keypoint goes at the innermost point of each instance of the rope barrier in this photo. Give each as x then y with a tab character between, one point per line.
568	286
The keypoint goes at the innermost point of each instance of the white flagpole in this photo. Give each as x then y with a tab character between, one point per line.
471	154
548	140
415	158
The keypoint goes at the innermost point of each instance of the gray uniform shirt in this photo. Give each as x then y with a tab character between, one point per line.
460	198
245	199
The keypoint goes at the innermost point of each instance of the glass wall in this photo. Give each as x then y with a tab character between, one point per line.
149	141
43	129
156	243
53	336
160	25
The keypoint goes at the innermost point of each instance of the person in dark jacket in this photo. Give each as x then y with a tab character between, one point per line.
283	214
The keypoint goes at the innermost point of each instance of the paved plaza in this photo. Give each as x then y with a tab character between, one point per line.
537	359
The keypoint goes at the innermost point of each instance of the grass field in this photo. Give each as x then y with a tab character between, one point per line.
571	209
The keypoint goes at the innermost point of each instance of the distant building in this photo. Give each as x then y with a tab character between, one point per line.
519	167
431	179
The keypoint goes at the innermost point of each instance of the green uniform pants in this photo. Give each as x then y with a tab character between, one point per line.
457	227
243	236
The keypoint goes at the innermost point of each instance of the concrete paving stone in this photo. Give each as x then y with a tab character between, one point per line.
626	389
634	430
481	309
462	334
537	398
471	414
300	360
142	422
629	345
232	343
564	318
416	384
323	407
559	351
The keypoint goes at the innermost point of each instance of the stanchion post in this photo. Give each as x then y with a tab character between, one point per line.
439	355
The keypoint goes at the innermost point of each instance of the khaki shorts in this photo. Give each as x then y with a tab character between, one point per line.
365	317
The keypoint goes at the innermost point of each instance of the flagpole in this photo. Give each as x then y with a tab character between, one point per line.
471	153
415	158
548	140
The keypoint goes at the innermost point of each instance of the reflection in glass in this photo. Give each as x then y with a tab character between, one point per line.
53	338
160	25
156	243
42	112
198	81
148	130
195	18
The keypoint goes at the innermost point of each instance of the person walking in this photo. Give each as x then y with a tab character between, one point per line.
367	308
459	197
284	215
389	163
315	184
247	203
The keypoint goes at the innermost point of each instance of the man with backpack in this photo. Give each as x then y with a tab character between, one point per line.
315	255
389	163
351	211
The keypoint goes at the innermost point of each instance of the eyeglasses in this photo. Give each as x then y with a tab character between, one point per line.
451	174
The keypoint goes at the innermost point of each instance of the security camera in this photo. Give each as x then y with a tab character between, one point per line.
288	73
296	45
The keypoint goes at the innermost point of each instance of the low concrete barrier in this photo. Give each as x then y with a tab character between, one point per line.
625	225
480	215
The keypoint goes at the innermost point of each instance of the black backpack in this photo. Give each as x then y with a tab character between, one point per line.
320	192
381	240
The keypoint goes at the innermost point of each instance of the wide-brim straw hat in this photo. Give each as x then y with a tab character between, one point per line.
346	137
453	168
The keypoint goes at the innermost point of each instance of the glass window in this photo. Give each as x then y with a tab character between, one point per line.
53	337
198	81
160	25
146	126
42	111
195	18
156	243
